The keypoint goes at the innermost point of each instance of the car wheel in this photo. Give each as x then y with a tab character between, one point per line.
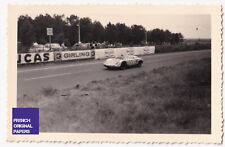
123	65
139	64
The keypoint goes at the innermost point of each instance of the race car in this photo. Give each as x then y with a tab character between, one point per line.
123	62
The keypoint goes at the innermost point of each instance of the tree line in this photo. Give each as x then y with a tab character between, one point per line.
65	30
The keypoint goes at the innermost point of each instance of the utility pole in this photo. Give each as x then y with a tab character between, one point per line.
146	38
50	41
78	25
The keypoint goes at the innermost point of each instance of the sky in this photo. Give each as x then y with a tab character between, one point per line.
176	23
186	24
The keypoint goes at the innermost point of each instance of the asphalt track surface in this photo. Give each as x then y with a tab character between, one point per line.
30	80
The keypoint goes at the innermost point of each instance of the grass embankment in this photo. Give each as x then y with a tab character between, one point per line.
166	100
182	47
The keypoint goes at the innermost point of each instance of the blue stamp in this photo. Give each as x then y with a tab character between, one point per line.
25	121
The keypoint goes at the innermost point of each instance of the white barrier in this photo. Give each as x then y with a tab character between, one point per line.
73	55
83	54
35	57
104	53
116	52
149	50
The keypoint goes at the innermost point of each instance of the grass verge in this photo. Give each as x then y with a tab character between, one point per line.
182	47
175	99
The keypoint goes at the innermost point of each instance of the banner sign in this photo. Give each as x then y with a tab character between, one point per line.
93	54
71	55
58	56
35	57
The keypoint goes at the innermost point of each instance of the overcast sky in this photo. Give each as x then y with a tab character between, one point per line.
184	23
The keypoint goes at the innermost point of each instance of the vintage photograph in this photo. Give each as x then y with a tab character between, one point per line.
116	74
119	70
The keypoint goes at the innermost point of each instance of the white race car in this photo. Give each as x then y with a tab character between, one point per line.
123	62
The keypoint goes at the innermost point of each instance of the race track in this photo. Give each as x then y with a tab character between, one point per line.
32	79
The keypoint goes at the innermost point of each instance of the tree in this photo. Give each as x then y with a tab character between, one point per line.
71	30
42	22
65	30
158	36
176	38
110	33
26	33
86	29
72	20
58	28
123	33
98	32
138	34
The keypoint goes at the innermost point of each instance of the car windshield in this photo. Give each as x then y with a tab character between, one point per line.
121	57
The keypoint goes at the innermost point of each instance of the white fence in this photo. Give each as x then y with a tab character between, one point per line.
83	54
116	52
